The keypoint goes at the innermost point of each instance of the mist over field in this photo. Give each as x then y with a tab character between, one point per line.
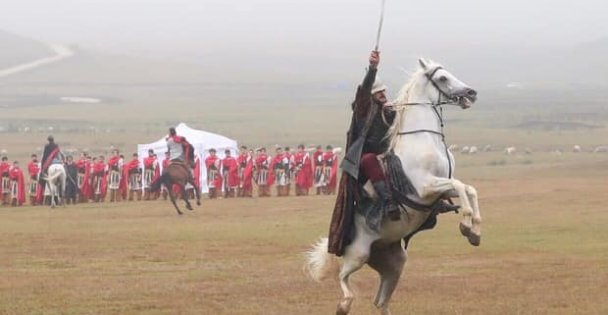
269	71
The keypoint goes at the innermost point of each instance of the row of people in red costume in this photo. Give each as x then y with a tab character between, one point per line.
97	180
236	176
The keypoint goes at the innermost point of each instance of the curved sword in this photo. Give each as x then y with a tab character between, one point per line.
380	26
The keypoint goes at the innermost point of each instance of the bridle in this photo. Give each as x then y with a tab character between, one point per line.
437	108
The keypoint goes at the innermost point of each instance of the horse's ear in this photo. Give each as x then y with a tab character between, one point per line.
423	63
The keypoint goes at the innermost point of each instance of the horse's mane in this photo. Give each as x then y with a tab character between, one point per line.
404	97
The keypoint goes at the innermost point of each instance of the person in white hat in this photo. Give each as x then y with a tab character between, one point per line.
368	135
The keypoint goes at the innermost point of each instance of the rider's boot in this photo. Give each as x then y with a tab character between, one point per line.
391	209
443	207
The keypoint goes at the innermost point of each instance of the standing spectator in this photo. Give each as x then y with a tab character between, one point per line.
115	165
99	179
5	181
71	183
151	174
133	174
262	176
330	171
288	161
317	164
279	166
33	169
245	161
17	185
83	166
230	173
214	177
303	171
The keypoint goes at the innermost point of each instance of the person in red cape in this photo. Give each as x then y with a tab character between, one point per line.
330	170
317	166
263	173
51	154
196	173
115	180
132	172
83	179
230	172
99	179
151	174
303	171
33	170
17	185
5	186
214	177
180	149
245	161
279	166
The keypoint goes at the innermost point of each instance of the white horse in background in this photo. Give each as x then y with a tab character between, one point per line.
417	138
55	183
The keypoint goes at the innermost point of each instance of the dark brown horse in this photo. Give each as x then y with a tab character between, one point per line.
179	174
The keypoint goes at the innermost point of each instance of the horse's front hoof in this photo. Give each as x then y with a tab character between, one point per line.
189	207
344	306
474	239
198	203
464	229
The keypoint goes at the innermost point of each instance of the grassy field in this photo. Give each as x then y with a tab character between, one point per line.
543	251
544	248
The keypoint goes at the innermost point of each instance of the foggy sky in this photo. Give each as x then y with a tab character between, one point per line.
215	26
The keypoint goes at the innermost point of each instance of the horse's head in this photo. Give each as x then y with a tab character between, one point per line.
442	86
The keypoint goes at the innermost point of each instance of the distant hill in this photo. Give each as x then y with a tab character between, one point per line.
15	50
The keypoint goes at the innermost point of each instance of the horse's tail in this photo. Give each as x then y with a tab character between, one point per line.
155	185
321	265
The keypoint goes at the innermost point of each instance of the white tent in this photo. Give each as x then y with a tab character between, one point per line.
202	141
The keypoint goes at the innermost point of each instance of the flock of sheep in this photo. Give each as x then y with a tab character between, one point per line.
513	150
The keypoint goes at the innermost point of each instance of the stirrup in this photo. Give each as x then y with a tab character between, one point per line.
394	214
443	207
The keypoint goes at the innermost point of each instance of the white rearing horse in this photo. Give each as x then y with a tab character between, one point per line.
417	139
55	183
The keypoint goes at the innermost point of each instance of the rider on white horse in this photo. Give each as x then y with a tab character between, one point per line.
372	118
51	155
417	149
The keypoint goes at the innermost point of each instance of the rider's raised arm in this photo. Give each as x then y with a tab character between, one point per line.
362	101
370	76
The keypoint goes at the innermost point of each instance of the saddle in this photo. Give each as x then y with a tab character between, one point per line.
400	187
180	164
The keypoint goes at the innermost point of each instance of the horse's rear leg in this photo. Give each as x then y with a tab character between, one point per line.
172	197
388	262
197	192
185	197
169	186
355	256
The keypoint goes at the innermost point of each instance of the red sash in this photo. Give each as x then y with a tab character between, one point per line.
50	159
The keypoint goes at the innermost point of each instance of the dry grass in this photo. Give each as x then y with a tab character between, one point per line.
544	251
544	248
